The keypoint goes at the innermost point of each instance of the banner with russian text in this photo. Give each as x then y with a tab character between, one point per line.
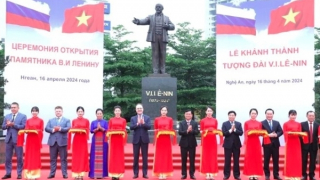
265	58
56	56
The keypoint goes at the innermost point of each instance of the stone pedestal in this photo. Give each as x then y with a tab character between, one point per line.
159	90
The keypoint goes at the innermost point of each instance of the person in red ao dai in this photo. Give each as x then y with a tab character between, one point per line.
117	141
252	159
162	164
32	157
292	132
209	153
80	160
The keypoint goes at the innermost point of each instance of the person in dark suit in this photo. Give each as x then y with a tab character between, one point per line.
232	130
188	129
58	128
159	24
13	122
140	124
311	148
274	130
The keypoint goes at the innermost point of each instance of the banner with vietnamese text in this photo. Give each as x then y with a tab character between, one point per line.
265	58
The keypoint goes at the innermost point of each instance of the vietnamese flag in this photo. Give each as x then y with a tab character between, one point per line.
84	19
293	16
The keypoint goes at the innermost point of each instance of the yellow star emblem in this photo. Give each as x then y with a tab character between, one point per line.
83	19
290	17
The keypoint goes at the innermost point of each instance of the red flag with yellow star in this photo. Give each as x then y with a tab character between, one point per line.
84	19
293	16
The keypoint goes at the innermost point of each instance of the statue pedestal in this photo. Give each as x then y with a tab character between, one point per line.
159	90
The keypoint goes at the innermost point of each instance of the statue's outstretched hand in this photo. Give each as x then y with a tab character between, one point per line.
135	21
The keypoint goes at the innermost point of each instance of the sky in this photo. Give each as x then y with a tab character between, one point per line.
123	12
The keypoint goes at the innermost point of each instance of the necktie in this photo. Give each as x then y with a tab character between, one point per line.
58	121
13	118
311	133
270	125
188	122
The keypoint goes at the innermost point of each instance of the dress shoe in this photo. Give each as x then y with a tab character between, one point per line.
184	177
7	176
237	178
145	176
135	176
277	177
51	176
313	178
303	178
192	177
65	176
268	178
19	177
225	178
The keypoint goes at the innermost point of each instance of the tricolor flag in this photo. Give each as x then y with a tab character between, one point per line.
26	14
230	20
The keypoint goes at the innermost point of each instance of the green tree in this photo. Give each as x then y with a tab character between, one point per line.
3	62
193	64
317	74
124	67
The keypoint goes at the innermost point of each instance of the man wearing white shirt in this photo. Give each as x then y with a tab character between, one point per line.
310	148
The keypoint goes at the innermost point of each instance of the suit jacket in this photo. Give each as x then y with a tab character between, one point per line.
188	139
140	130
232	138
276	127
19	123
315	142
151	21
61	137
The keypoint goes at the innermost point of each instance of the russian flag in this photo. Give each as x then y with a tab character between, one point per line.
25	14
230	20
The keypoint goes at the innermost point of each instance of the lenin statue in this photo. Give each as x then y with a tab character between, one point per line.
159	24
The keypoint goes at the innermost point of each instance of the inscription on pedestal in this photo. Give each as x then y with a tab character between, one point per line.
157	92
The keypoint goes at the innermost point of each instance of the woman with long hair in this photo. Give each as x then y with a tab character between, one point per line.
32	158
162	163
117	139
253	156
209	153
80	162
293	158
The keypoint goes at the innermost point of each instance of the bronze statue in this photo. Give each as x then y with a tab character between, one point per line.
159	24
